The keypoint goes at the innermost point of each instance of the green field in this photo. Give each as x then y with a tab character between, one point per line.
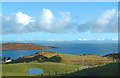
22	69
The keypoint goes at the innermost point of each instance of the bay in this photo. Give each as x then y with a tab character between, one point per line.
67	48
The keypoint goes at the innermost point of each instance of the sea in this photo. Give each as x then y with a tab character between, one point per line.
100	49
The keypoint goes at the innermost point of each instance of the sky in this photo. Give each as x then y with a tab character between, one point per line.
60	1
59	20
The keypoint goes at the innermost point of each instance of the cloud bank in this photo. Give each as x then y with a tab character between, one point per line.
46	21
107	22
19	22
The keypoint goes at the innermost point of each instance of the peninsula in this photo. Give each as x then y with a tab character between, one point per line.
23	46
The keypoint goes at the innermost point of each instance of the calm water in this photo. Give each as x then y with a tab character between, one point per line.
68	48
35	71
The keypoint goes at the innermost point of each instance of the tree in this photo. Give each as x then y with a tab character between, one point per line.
0	58
8	58
4	58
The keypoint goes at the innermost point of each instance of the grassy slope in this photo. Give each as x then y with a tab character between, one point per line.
73	59
108	70
22	69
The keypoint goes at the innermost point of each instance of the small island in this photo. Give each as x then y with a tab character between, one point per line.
23	46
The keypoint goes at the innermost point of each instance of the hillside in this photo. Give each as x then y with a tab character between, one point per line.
23	46
22	69
49	56
113	55
107	70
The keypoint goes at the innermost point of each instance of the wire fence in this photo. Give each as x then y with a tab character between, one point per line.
56	74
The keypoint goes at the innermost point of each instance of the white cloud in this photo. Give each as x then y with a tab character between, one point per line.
106	22
23	18
46	21
79	39
100	39
114	39
51	40
84	39
12	23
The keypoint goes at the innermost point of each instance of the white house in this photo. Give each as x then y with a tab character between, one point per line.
8	60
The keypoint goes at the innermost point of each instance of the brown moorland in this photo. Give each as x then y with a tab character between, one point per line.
23	46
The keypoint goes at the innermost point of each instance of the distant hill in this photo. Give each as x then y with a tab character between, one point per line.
23	46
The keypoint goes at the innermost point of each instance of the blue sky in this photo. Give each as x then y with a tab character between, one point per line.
76	20
60	1
84	10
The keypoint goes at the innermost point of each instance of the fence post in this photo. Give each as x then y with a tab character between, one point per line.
89	66
41	75
66	72
56	74
77	68
61	74
49	75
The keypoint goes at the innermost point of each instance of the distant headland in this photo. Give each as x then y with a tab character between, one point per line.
23	46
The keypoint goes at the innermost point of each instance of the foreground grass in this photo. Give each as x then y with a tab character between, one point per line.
107	70
22	69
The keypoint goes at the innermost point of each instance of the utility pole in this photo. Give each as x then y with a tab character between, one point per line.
83	61
115	60
42	50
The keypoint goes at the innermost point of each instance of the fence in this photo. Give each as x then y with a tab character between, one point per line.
56	74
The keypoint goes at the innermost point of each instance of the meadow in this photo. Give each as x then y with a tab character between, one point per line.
22	69
49	68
